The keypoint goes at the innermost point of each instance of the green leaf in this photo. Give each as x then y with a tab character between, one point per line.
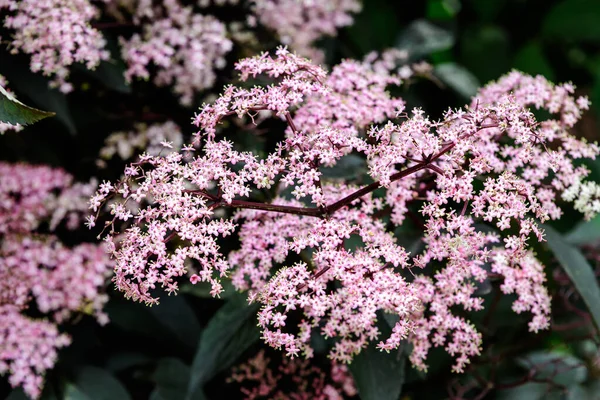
124	360
99	384
17	394
489	9
578	270
172	377
175	314
485	51
529	391
202	289
562	369
532	60
172	319
135	318
36	88
573	20
14	112
111	74
458	78
230	332
350	166
586	232
375	27
72	392
422	38
379	375
443	9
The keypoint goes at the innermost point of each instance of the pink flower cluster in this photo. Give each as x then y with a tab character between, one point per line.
37	270
299	23
153	139
30	195
56	33
185	47
178	45
293	379
482	178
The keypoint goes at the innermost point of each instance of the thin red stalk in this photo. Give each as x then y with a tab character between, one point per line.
372	187
308	211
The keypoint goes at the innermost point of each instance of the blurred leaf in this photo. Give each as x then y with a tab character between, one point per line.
99	384
562	369
484	50
458	78
531	59
574	20
579	392
230	332
177	316
586	349
422	38
578	270
172	377
111	74
36	88
350	166
14	112
489	9
172	319
72	392
354	243
202	289
17	394
585	232
124	360
379	375
591	389
593	66
135	318
529	391
375	27
442	9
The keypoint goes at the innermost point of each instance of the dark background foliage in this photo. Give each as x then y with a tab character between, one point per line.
183	348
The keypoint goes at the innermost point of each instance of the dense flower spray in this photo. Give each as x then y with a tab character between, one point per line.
153	139
300	23
38	272
481	179
174	43
57	34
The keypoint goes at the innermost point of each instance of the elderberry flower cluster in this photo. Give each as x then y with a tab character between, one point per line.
321	254
175	44
38	272
56	33
153	139
294	378
300	23
185	47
